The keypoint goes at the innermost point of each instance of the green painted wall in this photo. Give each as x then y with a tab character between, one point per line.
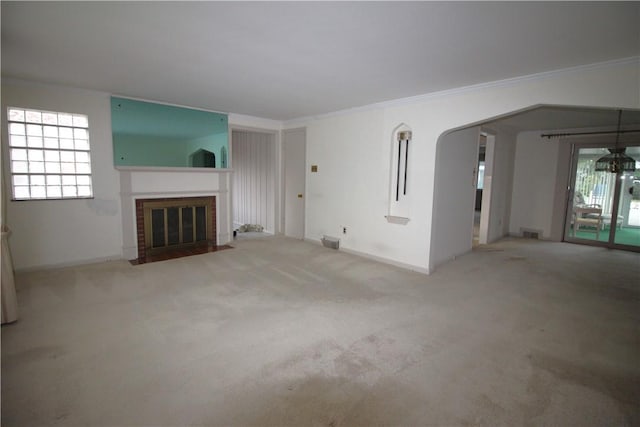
148	134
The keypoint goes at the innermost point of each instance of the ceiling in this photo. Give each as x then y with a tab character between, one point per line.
285	60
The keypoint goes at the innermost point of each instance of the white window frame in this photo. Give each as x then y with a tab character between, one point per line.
49	155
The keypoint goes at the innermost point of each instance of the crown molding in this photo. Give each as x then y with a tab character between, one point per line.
244	121
632	60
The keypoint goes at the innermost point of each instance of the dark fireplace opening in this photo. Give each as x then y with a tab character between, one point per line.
174	223
177	225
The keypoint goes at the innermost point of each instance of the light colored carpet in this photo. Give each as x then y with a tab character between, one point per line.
284	332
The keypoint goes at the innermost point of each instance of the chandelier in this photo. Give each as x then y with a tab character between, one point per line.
616	161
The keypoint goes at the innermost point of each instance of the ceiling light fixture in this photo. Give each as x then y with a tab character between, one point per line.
616	161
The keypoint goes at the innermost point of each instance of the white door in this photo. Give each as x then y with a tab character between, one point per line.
294	148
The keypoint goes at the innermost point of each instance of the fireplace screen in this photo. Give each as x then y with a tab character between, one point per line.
176	223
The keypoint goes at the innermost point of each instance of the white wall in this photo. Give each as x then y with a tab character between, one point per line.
351	150
454	195
351	187
254	178
534	184
456	159
499	182
58	232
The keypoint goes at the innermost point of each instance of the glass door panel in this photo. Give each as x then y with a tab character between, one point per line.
627	226
589	213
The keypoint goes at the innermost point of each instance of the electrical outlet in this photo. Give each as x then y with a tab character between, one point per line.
344	230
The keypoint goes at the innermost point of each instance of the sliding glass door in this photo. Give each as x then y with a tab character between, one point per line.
604	209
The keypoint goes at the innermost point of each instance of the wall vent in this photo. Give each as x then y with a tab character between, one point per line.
331	242
530	234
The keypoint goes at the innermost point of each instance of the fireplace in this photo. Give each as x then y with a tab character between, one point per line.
164	224
139	185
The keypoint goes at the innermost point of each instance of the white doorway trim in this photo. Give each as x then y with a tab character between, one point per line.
294	143
485	209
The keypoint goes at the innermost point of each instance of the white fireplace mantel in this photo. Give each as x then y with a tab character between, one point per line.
159	182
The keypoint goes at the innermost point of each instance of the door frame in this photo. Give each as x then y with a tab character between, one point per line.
487	183
285	201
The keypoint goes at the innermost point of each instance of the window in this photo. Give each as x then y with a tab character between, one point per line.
49	155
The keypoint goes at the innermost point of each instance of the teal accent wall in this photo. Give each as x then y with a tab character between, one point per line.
149	134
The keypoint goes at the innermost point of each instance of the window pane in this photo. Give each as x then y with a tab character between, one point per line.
50	118
80	134
66	144
34	141
21	180
19	167
67	168
37	179
21	192
82	144
38	192
36	167
17	129
33	116
80	121
18	154
83	167
51	142
82	156
17	141
65	119
84	191
53	179
69	191
52	156
52	167
83	180
34	130
16	115
50	131
68	180
54	191
65	132
67	156
36	155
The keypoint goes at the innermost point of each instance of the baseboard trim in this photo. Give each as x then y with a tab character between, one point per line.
70	264
383	260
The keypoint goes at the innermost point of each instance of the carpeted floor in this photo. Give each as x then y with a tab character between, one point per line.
283	332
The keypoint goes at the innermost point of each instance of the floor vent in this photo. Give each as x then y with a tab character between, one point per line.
331	242
528	234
